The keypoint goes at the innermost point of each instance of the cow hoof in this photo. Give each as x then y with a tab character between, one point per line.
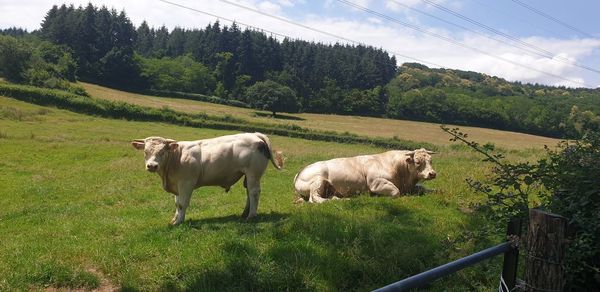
250	218
176	221
299	200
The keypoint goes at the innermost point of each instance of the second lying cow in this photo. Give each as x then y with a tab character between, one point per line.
390	173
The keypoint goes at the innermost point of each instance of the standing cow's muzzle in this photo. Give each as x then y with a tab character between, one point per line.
152	167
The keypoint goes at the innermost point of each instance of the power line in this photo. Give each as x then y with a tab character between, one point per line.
455	42
547	53
539	12
288	37
485	4
395	53
224	18
318	30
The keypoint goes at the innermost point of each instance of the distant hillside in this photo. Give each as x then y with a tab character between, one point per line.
103	46
471	98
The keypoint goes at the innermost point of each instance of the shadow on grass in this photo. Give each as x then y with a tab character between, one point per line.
319	248
260	218
353	245
279	116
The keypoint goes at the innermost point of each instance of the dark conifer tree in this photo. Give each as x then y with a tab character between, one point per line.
145	39
176	42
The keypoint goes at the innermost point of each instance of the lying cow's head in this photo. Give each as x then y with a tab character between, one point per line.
155	150
422	163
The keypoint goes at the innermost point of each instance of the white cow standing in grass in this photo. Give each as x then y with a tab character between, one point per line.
390	173
185	166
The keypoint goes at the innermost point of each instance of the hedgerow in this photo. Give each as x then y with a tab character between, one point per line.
122	110
198	97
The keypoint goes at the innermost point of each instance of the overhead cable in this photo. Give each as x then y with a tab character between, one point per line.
552	18
546	53
453	41
304	26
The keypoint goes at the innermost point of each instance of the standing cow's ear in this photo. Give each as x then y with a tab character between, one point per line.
137	144
173	146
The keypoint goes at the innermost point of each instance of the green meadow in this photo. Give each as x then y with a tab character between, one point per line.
78	211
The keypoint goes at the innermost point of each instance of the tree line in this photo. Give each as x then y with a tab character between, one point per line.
218	59
258	70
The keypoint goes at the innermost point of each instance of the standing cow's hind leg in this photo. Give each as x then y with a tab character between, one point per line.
247	208
253	192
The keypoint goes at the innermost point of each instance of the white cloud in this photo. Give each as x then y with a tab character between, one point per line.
286	3
375	20
364	3
401	5
269	7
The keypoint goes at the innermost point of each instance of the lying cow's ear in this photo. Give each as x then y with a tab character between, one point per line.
410	157
138	145
173	146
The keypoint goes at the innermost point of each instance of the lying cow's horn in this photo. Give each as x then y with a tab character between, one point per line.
431	152
139	140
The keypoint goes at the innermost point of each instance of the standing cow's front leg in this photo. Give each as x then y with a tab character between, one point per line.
182	201
383	186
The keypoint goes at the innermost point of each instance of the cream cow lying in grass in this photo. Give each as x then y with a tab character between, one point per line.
390	173
187	165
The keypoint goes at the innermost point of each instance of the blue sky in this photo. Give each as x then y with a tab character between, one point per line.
490	56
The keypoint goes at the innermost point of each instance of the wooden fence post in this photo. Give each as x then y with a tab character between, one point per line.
511	257
546	245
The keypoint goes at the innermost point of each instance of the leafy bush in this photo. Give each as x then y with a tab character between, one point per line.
566	182
58	59
369	102
572	175
272	96
181	74
15	56
510	191
38	63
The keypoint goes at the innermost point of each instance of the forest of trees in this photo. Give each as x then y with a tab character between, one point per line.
101	45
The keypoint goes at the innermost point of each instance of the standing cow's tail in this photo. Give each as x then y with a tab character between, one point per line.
275	156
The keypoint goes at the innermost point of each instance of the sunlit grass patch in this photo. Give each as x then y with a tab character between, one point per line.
76	199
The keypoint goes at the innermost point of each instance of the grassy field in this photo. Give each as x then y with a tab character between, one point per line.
79	211
408	130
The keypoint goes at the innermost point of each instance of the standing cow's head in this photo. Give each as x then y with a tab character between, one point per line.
155	150
421	159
